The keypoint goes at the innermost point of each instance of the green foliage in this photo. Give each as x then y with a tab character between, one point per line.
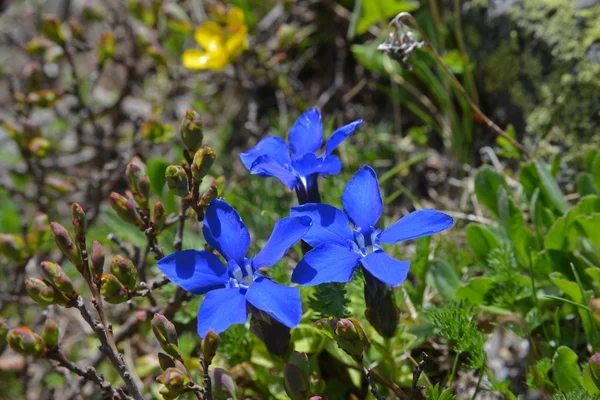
329	300
236	342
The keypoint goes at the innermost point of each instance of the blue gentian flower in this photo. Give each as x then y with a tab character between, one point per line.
229	288
271	156
339	249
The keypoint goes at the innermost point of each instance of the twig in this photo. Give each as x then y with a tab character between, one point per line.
89	374
110	352
416	375
369	377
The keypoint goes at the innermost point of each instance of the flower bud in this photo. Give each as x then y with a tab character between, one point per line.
76	28
175	380
44	98
106	47
23	340
32	75
39	147
177	180
208	196
155	131
58	278
138	181
38	45
125	271
348	333
159	217
12	246
382	311
165	361
59	184
94	11
66	244
210	343
112	289
203	161
165	333
3	332
40	291
51	27
594	368
192	130
79	221
126	210
296	376
38	232
223	385
50	334
97	258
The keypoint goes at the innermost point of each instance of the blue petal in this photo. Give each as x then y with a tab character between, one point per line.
285	234
225	231
328	262
309	164
362	200
385	268
340	135
274	147
280	302
220	309
306	136
416	224
266	166
330	225
196	271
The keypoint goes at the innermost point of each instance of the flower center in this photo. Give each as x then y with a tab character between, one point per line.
366	242
240	276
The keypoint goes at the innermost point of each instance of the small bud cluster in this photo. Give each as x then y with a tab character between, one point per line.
348	333
24	341
118	285
27	135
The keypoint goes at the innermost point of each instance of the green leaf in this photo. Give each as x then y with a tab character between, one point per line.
596	172
590	157
156	174
536	174
588	228
481	241
444	279
308	339
568	287
565	369
374	11
588	382
563	234
474	292
585	184
487	182
514	223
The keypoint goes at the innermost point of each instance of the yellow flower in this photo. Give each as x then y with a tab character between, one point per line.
221	43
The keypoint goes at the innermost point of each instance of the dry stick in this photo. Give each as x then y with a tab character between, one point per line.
370	378
111	352
89	374
489	123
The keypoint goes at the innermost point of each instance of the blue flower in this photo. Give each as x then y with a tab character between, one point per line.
229	288
339	249
271	156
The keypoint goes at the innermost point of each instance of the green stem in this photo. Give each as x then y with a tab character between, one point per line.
454	369
481	372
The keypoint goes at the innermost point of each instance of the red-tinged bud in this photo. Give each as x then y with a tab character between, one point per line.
594	367
97	258
106	47
138	181
223	384
348	333
37	234
165	333
39	147
159	218
59	184
3	331
79	221
177	180
15	132
126	210
57	277
66	244
175	380
50	334
296	376
23	340
210	343
594	305
165	361
203	161
51	27
208	196
154	131
192	130
38	45
76	29
12	246
40	291
125	271
112	289
44	98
